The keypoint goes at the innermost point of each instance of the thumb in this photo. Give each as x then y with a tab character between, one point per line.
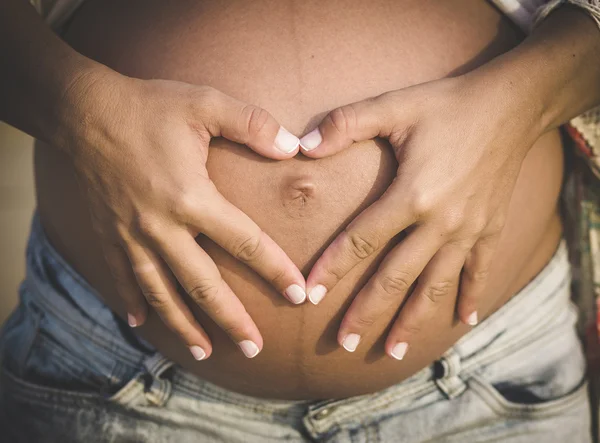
249	125
363	120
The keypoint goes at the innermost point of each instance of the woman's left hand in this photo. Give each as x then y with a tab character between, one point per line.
459	143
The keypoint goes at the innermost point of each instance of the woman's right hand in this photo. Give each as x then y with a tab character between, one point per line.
140	149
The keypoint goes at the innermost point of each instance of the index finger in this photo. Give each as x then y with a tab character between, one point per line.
237	233
202	281
366	235
374	117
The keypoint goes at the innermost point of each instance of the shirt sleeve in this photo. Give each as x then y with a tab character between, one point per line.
56	12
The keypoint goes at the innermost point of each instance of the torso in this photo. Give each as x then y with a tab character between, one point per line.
299	59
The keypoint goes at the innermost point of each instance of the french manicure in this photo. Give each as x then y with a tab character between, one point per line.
399	351
316	294
472	320
350	342
311	140
249	348
131	320
198	352
285	141
296	294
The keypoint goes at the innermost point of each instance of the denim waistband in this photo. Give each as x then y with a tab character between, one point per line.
55	287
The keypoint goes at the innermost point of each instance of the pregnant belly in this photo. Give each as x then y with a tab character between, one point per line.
298	60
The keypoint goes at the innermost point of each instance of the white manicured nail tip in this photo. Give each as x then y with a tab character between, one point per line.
285	141
316	294
473	320
311	140
131	320
399	351
198	352
296	294
350	342
249	348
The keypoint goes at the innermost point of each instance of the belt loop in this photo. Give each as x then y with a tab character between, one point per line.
159	389
447	374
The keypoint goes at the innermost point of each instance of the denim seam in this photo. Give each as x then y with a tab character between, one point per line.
373	405
115	348
63	356
538	411
225	398
181	383
31	392
45	247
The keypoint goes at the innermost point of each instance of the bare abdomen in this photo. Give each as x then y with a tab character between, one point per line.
298	60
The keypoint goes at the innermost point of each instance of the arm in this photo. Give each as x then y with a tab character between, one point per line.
557	68
139	149
451	204
39	70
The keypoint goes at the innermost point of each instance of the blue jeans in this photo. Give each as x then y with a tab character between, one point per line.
71	371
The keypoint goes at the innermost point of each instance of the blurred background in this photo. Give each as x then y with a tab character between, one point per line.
17	201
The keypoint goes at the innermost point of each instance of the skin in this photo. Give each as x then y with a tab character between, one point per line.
302	204
146	185
453	204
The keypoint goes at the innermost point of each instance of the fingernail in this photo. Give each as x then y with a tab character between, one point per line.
350	342
249	348
316	294
399	351
285	141
198	352
311	140
472	320
296	294
131	320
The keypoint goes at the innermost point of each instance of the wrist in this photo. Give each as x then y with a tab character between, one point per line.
518	99
82	105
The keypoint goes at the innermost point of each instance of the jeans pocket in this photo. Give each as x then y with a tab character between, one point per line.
544	378
46	361
503	402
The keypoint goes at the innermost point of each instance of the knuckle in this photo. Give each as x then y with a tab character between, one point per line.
156	299
396	284
361	246
249	249
204	100
453	222
360	322
147	224
343	119
438	290
204	292
410	329
256	119
279	278
422	204
478	275
496	225
478	224
235	330
122	235
185	205
205	95
333	274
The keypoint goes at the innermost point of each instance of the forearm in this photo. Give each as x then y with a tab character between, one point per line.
555	73
38	69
